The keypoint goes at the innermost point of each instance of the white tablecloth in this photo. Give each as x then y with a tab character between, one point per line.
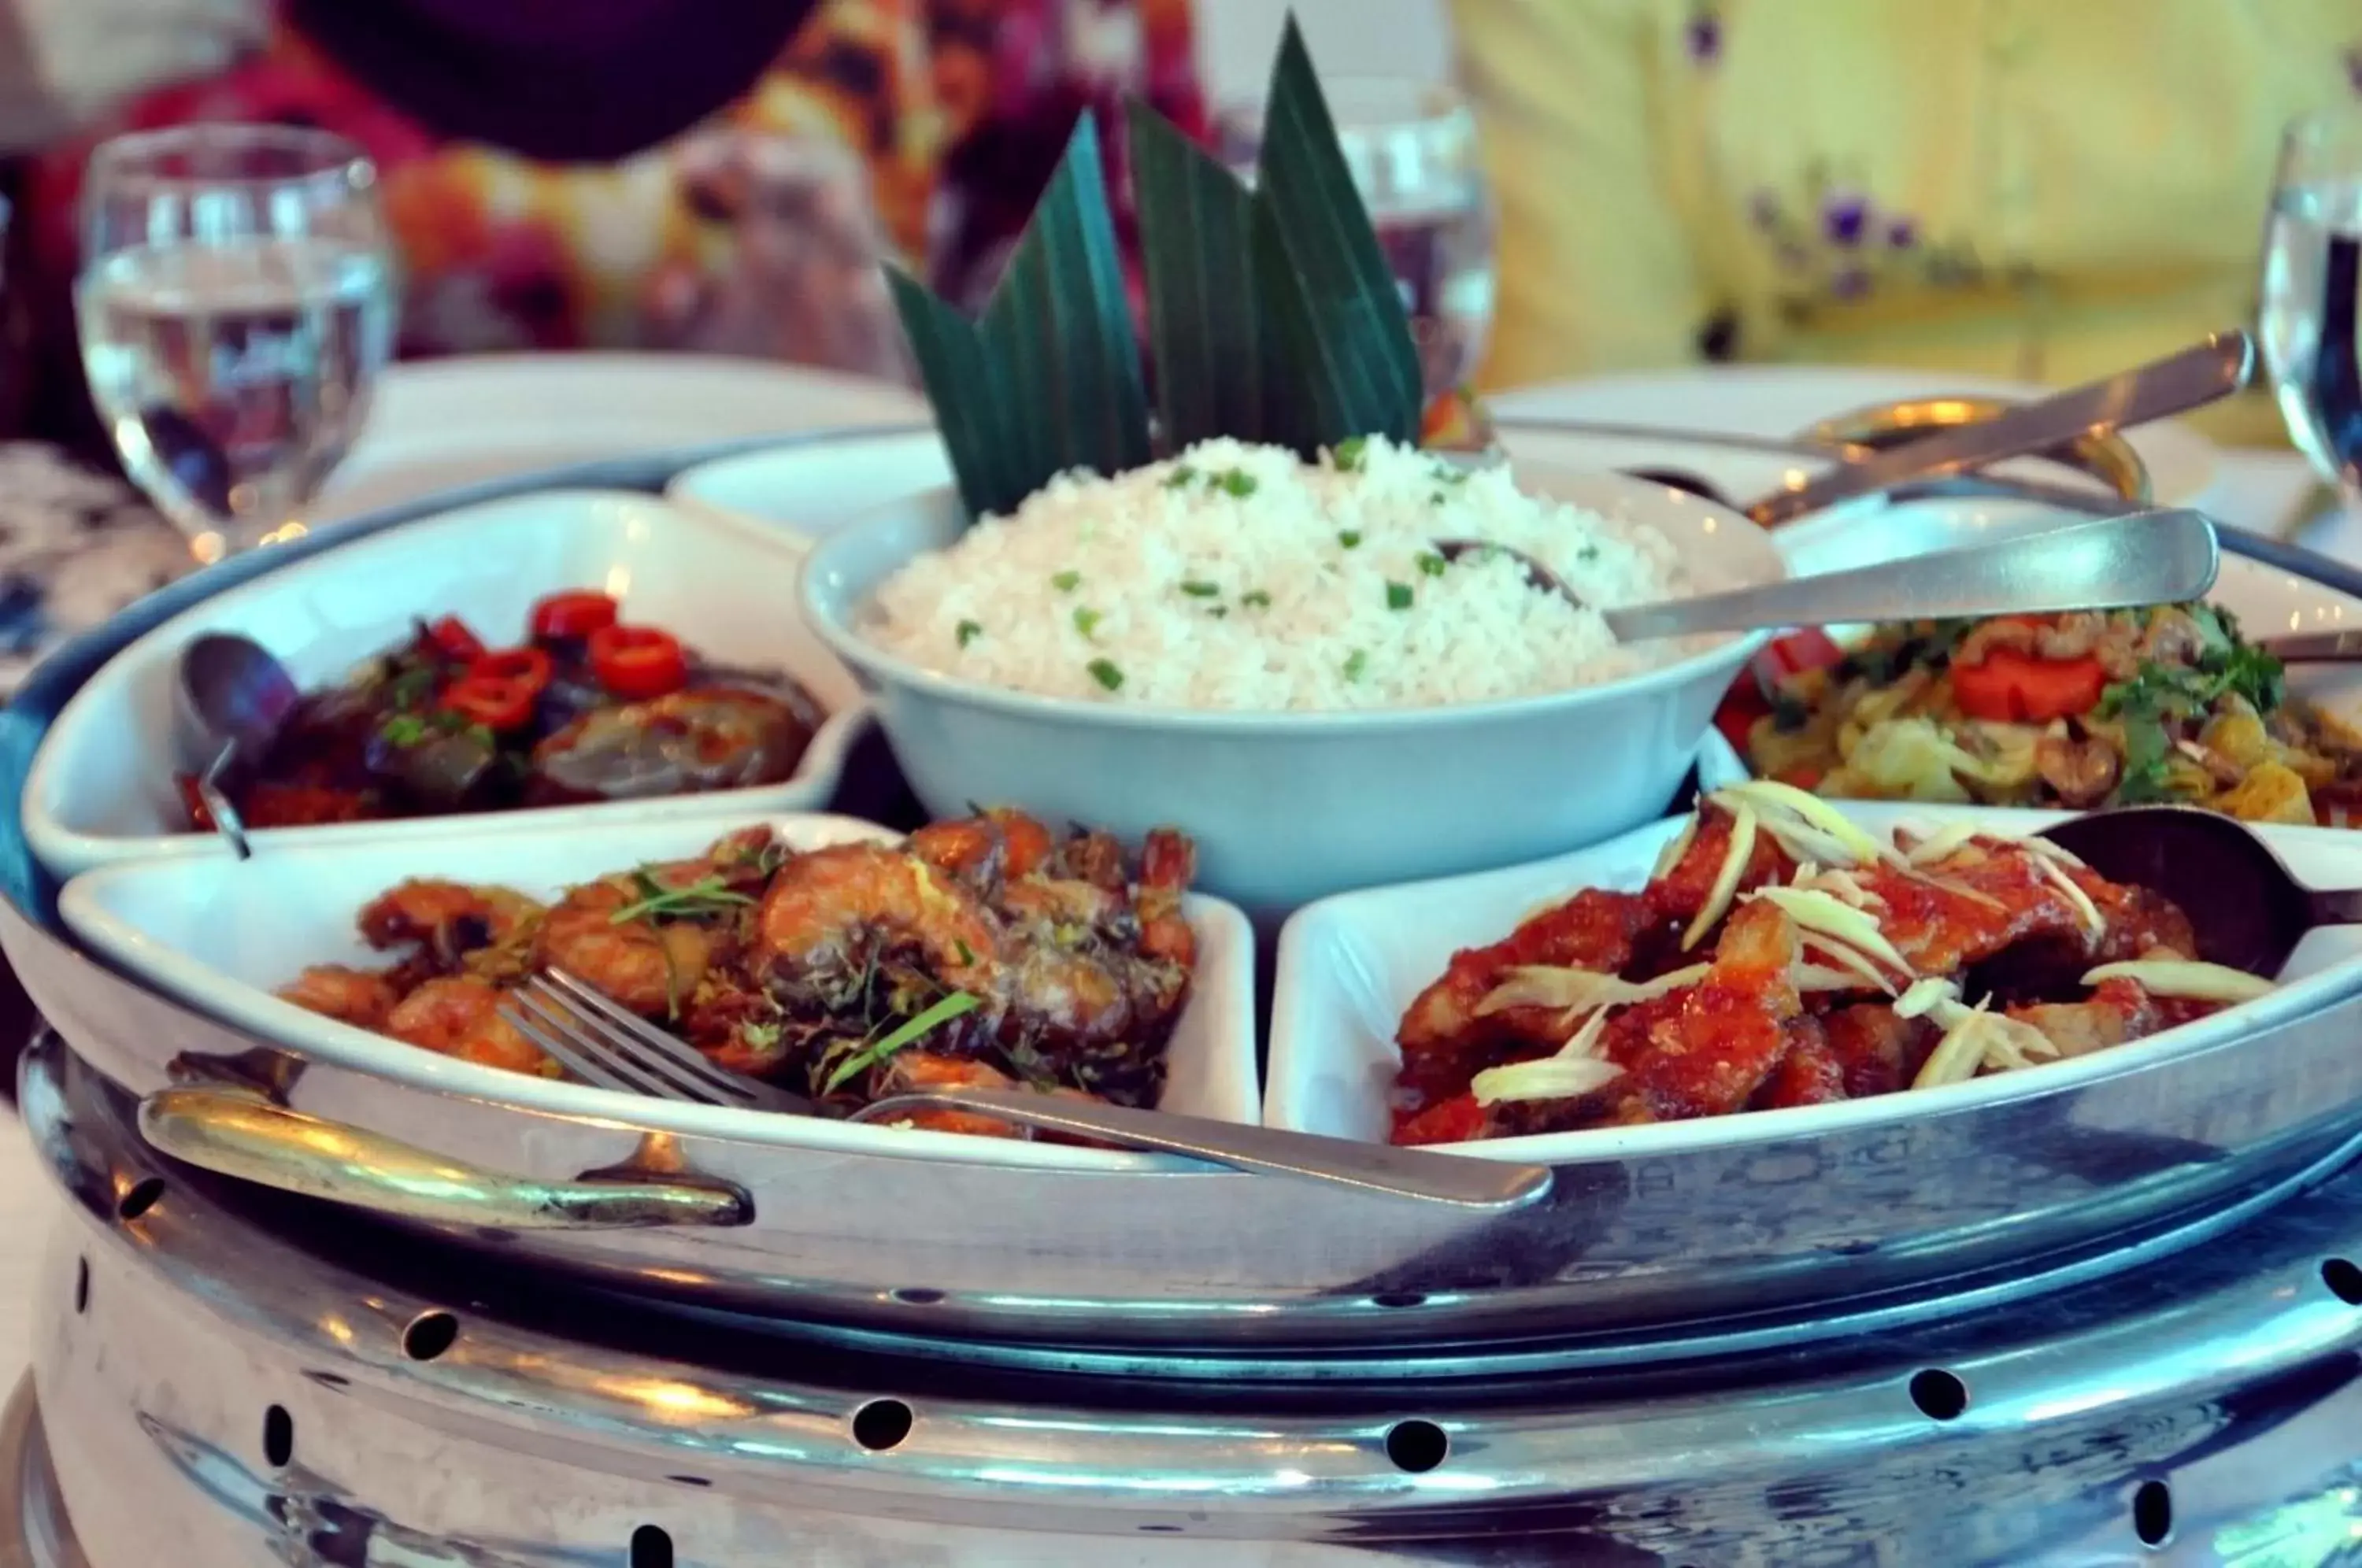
2254	490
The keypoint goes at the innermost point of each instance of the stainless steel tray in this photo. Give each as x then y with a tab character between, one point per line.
2051	1185
225	1381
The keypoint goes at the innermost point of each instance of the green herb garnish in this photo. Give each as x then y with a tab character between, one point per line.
1349	538
403	729
1431	563
1588	554
1256	599
692	900
1399	596
1181	475
968	631
869	1053
1105	672
1196	589
1085	618
1355	663
1348	454
1237	481
1065	581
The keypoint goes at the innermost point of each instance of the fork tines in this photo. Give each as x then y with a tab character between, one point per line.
613	1047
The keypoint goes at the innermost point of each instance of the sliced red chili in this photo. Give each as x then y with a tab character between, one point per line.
638	662
201	816
452	638
497	702
577	613
529	665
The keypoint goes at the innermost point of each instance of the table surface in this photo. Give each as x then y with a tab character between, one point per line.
2252	490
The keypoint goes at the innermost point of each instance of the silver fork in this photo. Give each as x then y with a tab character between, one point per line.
609	1046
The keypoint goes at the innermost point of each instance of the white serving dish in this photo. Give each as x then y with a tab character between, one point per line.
221	935
101	787
1349	967
1286	808
803	491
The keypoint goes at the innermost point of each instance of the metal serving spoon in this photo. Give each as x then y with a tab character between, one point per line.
2144	558
233	697
2246	906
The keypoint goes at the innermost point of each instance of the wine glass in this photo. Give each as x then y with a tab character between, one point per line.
2311	294
1412	148
235	305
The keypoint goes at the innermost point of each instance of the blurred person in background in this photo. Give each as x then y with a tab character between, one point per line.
2043	191
713	175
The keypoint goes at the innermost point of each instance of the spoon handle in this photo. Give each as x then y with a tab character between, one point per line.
2182	381
2339	906
2147	558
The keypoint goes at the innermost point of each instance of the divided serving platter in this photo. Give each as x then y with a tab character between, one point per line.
1763	1221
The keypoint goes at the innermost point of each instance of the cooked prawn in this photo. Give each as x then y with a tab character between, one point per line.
825	912
459	1016
349	995
445	919
645	964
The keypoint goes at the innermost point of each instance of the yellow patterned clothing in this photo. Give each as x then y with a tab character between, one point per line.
2043	190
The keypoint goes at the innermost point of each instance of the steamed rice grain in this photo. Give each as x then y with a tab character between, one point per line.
1239	577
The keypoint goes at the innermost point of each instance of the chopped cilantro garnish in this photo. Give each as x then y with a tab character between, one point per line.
1356	662
968	631
1238	481
1256	599
1349	537
1085	618
1182	474
1588	554
1399	596
1105	672
1196	589
1431	563
1064	581
1348	453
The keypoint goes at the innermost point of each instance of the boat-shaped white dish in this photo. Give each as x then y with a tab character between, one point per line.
1350	966
803	491
102	786
223	935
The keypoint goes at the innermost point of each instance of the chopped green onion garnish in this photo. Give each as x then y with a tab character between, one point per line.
1348	453
1399	596
1356	662
1349	538
707	895
1431	563
1588	553
403	729
869	1055
1105	672
1064	581
1180	476
968	631
1196	589
1085	618
1238	481
1256	599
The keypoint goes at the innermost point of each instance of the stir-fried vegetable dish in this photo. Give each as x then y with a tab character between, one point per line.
586	708
984	951
1781	956
2168	703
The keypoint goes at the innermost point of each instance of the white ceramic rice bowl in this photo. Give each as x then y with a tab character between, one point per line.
1289	807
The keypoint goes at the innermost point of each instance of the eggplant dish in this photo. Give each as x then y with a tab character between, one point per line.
587	708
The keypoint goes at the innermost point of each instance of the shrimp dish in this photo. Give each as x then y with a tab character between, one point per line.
986	950
1781	956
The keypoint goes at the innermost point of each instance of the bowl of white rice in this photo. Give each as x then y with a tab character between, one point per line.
1275	656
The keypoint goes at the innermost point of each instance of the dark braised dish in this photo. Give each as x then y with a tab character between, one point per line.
587	708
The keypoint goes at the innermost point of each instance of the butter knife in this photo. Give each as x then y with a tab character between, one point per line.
2189	379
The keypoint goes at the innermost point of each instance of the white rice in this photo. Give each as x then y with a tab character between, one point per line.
1239	577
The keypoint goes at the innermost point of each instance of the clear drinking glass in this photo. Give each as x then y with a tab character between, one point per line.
1413	150
2311	294
236	304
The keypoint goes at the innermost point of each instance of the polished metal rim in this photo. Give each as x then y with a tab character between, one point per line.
34	1530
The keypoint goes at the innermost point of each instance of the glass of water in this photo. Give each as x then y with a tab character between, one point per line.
236	304
2312	294
1413	150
